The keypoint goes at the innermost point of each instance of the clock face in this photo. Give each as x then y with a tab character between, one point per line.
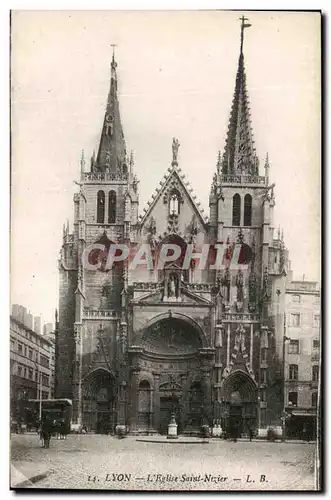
109	118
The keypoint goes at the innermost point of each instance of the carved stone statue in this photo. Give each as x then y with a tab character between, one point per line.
240	285
226	285
175	147
252	288
240	338
193	231
172	286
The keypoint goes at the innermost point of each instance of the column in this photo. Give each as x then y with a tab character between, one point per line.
228	346
78	393
156	402
206	379
133	408
251	349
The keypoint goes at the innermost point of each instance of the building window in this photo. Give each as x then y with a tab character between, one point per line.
100	207
25	372
315	373
30	373
19	371
44	361
174	204
236	208
295	319
314	399
293	399
293	372
36	376
20	348
112	207
12	345
44	395
296	298
30	353
316	320
293	347
316	344
263	395
264	354
263	376
247	210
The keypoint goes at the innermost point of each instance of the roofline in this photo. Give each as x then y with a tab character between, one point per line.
26	328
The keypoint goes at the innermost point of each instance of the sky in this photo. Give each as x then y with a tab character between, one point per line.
176	73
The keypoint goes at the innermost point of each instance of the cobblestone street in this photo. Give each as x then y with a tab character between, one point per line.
103	462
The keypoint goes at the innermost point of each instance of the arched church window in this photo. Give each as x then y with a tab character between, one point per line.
248	210
174	204
112	207
236	208
101	207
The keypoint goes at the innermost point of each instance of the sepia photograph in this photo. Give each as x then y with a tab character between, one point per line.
165	248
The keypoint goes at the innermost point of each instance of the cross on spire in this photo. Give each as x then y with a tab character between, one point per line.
113	45
243	26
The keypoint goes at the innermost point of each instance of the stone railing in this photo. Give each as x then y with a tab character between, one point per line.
240	317
243	179
199	287
145	286
99	314
105	176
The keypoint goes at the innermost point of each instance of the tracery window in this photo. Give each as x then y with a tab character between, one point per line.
100	207
112	207
236	207
247	210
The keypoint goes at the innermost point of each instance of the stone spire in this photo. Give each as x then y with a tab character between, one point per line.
112	152
239	155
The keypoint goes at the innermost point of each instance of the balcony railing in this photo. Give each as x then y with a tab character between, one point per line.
99	314
243	179
105	176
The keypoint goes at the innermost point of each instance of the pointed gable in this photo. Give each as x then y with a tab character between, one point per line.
189	219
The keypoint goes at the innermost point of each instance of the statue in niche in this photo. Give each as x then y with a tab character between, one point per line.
172	285
240	286
193	231
152	238
240	338
252	289
226	285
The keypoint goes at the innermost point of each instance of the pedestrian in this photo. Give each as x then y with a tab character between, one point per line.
46	432
250	433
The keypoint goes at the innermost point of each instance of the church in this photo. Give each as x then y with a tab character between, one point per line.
138	345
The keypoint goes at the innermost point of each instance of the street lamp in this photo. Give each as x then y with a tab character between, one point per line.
285	339
39	385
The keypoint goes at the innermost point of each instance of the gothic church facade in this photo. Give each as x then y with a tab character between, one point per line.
135	346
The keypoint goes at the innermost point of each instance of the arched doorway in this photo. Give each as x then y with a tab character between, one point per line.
196	406
144	406
239	402
171	346
99	402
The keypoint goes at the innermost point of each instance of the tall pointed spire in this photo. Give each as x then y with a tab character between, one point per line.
239	153
112	153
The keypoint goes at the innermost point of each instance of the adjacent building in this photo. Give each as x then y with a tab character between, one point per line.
302	355
136	345
30	362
